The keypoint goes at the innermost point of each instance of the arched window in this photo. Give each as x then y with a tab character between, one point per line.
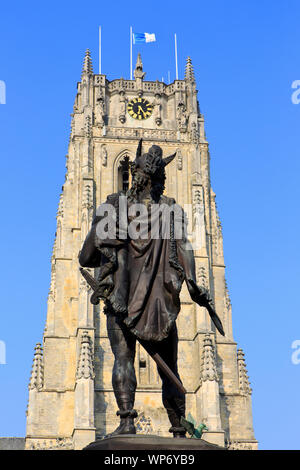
124	176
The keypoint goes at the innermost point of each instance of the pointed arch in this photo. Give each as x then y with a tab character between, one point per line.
121	169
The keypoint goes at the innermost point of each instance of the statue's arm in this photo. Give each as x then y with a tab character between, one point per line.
186	258
90	256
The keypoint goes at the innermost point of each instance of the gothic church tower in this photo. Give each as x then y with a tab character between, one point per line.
71	399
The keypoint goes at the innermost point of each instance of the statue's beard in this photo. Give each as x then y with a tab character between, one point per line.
139	182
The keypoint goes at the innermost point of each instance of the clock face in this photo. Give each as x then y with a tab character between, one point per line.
139	108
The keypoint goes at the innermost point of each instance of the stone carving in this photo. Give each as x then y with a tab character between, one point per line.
122	104
83	286
227	308
227	297
87	197
199	217
99	112
149	134
37	372
157	109
104	155
197	200
244	384
217	236
179	159
181	117
208	364
129	85
202	277
62	443
88	127
85	367
60	210
240	445
52	290
143	424
194	133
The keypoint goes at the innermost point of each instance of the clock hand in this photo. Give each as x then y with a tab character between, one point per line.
142	111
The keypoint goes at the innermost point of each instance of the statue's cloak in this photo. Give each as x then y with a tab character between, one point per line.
154	287
146	273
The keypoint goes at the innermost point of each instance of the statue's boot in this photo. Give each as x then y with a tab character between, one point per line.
126	425
175	408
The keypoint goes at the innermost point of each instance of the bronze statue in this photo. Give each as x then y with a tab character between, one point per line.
140	278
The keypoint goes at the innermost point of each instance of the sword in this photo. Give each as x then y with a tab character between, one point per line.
155	356
203	300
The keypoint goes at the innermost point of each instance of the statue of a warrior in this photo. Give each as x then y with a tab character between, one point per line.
140	279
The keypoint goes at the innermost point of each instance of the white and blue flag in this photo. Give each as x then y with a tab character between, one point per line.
143	37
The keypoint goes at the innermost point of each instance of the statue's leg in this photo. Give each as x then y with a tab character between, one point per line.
123	377
173	399
119	296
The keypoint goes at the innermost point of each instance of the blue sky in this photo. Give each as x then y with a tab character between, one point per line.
246	56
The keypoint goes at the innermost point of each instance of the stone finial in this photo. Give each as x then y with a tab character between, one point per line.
85	367
244	384
189	71
139	63
208	363
37	371
87	63
138	72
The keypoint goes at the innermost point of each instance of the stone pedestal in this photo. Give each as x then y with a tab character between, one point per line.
148	442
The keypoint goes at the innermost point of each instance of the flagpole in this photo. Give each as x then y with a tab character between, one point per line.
176	63
130	52
99	50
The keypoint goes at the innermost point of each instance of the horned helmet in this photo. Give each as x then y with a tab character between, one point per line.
151	163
